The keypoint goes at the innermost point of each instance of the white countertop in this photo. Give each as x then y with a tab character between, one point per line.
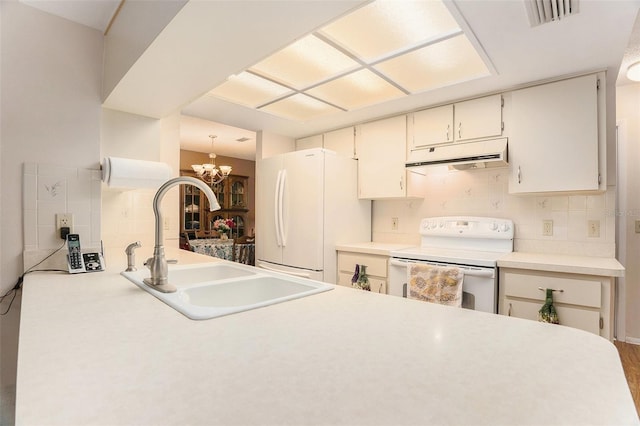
600	266
96	349
372	247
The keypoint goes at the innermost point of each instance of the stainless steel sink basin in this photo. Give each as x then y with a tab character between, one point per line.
211	290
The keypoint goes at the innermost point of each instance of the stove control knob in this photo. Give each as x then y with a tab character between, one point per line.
504	227
493	226
441	224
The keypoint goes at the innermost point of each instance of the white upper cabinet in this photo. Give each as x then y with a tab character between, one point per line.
478	118
474	119
432	126
341	141
555	142
381	150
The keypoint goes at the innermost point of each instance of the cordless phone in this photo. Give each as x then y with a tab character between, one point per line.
82	262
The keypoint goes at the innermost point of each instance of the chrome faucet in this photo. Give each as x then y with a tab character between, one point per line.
158	263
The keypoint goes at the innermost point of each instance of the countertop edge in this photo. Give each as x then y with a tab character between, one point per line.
599	266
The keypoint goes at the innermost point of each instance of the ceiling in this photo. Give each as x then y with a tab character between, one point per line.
601	36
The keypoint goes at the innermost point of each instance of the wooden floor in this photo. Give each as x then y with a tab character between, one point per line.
630	356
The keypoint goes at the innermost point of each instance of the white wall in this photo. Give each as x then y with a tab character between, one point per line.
50	84
628	115
127	215
270	144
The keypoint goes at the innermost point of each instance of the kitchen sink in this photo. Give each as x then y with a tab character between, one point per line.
213	290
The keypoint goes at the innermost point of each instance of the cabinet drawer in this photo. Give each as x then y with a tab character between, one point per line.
583	319
378	285
576	290
376	265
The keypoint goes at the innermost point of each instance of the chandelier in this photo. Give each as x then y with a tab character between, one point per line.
209	172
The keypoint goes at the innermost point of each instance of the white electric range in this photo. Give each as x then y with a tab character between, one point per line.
473	244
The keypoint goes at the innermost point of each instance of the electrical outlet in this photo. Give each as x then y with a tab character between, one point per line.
394	223
547	228
64	220
593	228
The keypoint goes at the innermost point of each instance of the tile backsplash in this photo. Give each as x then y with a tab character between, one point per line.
485	193
51	189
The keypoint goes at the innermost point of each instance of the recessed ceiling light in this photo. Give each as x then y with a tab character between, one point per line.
381	51
356	90
250	90
299	107
437	65
305	62
383	27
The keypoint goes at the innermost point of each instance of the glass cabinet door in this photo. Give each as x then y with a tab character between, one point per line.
238	194
238	231
191	207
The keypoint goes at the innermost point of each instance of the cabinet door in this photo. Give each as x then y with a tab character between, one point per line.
583	319
381	148
341	141
478	118
553	145
431	127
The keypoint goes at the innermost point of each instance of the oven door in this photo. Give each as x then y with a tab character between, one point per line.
479	286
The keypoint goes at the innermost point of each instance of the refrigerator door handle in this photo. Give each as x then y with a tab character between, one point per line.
295	274
283	186
276	206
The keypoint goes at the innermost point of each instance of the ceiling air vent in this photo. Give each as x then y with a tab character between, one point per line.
543	11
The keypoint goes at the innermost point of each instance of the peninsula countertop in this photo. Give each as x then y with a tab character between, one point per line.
96	349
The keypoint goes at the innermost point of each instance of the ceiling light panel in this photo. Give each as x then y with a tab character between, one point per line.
304	63
356	90
452	61
386	26
299	107
250	90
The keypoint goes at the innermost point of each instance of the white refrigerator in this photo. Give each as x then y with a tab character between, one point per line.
306	203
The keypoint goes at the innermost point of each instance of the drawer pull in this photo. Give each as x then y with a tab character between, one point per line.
509	312
558	290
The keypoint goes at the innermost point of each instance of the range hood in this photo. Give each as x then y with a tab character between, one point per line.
478	154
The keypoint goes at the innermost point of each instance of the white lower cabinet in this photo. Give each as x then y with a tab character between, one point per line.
581	301
377	269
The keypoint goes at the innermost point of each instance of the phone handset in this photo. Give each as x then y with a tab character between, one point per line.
82	262
74	258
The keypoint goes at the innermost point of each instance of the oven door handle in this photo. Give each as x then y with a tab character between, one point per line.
473	272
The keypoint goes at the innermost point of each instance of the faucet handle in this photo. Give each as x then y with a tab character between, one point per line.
174	261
